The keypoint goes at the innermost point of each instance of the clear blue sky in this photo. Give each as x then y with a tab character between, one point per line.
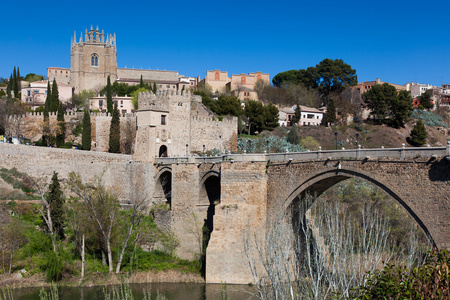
397	41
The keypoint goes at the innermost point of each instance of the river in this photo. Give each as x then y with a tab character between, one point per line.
172	291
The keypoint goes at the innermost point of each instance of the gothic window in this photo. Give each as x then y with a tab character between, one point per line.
94	60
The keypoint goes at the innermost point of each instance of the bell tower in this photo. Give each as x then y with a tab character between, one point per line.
92	60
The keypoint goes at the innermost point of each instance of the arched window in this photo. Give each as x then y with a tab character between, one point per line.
94	60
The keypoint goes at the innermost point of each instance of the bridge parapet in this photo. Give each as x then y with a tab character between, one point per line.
400	153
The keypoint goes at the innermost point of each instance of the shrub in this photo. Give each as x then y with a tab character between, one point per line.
308	142
428	118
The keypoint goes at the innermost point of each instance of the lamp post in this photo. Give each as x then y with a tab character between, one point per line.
335	136
357	142
187	150
204	150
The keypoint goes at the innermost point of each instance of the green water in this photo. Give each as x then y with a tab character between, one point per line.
173	291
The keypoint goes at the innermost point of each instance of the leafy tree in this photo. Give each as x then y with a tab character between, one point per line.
270	117
401	108
86	134
425	100
114	132
2	93
293	136
54	100
297	114
81	100
31	77
135	96
330	116
255	113
379	98
290	76
207	100
228	106
418	136
55	199
60	138
109	102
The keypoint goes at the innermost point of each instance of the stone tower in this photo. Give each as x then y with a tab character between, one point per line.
92	60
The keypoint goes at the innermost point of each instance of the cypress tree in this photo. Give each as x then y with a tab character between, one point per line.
48	98
293	136
60	138
141	83
154	88
297	114
54	100
55	200
9	87
15	84
19	84
418	136
86	135
109	102
114	132
330	117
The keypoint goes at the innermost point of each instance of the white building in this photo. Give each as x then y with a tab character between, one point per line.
35	93
309	116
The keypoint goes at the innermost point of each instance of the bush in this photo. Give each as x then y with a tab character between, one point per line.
428	118
430	281
67	145
308	142
272	144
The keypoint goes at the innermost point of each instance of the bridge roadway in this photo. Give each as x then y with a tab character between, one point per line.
249	187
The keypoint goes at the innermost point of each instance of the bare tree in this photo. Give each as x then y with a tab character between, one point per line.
50	128
315	249
101	208
128	128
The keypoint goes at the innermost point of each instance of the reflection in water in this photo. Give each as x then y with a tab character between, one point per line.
173	291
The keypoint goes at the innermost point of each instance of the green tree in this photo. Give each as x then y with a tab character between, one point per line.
109	102
141	82
54	102
154	89
9	87
48	98
297	114
61	136
293	136
418	136
81	100
270	117
255	114
86	134
15	83
290	77
401	109
114	132
135	96
19	84
55	199
31	77
379	99
330	116
425	100
228	106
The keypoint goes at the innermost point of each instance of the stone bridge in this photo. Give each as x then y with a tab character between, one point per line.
229	192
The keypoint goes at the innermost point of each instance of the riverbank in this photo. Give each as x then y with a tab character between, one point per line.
38	280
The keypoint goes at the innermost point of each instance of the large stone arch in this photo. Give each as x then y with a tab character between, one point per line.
163	186
322	180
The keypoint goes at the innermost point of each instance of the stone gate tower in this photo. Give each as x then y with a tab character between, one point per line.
92	60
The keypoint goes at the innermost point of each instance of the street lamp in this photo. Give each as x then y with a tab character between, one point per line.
187	150
335	136
357	137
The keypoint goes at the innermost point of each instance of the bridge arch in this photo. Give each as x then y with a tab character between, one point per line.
163	186
321	181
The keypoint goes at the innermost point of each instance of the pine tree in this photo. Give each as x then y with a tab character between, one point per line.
293	136
60	138
114	132
425	100
55	200
330	116
86	135
54	100
418	135
15	84
109	102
